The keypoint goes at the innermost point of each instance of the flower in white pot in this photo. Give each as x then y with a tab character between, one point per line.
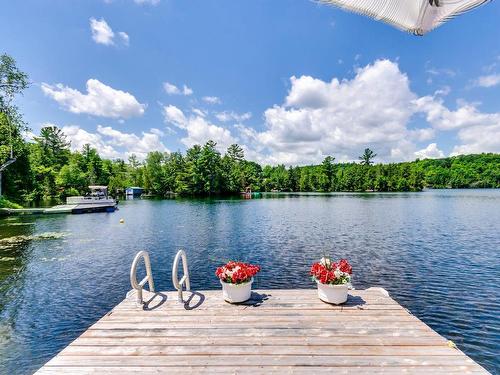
333	279
236	279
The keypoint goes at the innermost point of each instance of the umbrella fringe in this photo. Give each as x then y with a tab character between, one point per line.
415	30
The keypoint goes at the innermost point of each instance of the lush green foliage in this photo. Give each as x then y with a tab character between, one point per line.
5	203
12	127
47	168
56	171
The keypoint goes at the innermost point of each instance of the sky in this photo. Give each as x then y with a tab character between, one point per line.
292	81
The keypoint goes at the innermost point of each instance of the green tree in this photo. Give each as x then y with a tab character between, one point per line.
251	175
135	171
327	174
93	166
154	177
54	145
190	180
232	170
210	168
72	180
15	179
48	155
235	153
367	157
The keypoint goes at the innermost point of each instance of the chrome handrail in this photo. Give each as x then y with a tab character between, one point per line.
178	284
148	279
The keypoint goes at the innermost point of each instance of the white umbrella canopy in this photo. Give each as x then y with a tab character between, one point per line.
415	16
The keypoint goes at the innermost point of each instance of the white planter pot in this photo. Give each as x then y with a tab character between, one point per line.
235	293
336	294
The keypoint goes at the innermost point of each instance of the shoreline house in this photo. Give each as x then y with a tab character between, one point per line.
134	191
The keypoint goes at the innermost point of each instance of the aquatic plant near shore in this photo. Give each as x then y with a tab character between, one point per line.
12	241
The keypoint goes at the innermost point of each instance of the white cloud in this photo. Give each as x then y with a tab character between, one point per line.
374	110
445	90
443	118
158	132
187	91
80	137
430	152
172	89
478	139
198	129
421	135
199	112
125	38
442	72
175	116
29	136
112	143
100	100
488	80
227	116
341	117
133	144
103	34
211	100
149	2
477	131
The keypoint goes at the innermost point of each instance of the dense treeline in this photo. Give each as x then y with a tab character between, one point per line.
46	167
51	169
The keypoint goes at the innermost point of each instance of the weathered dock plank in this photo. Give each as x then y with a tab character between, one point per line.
276	332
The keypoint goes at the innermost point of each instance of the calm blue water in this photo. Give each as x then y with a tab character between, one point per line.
436	252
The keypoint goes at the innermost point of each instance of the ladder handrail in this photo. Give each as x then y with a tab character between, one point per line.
149	275
178	284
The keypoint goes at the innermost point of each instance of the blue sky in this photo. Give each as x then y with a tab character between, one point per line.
166	74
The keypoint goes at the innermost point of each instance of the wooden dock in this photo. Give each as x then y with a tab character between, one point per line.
60	209
276	332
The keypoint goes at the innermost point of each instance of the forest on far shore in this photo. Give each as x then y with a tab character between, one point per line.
47	168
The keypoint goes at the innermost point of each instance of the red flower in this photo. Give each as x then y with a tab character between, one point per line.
236	272
344	266
326	274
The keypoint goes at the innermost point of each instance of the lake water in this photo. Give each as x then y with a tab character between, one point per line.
436	252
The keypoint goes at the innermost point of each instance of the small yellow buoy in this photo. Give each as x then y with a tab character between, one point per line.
451	344
122	221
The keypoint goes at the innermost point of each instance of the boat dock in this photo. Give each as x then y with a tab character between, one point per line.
276	332
97	201
60	209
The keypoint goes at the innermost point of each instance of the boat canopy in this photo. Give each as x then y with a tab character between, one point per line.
414	16
98	187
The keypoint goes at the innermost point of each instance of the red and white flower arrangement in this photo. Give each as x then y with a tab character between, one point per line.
332	279
236	279
237	272
331	273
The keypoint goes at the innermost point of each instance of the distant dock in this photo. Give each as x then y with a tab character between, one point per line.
276	332
60	209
